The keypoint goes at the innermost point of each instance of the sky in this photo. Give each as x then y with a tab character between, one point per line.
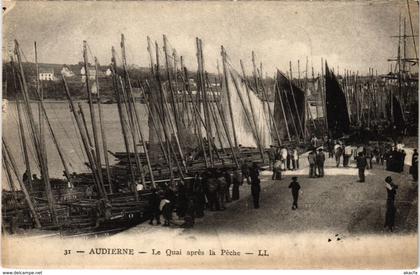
353	35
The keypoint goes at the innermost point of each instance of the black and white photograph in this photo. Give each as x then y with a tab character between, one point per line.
210	134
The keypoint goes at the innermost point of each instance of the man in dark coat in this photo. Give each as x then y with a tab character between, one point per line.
414	170
338	151
312	163
222	189
255	185
154	203
391	189
295	186
182	201
402	161
199	196
272	155
228	174
245	170
189	217
320	160
361	165
277	170
212	192
237	181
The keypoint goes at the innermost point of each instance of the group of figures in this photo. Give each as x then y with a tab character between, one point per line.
210	190
282	159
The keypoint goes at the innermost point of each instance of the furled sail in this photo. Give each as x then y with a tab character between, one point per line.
336	106
249	112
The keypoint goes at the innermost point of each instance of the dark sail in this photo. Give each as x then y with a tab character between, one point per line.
336	106
399	122
293	102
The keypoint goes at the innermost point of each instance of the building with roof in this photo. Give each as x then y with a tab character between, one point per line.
46	74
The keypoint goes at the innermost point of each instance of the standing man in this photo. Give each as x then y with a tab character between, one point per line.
295	159
294	185
212	192
314	141
369	155
245	171
272	156
330	147
255	185
312	160
222	189
338	151
237	181
283	152
361	165
289	158
348	152
276	170
391	190
414	169
154	203
320	160
200	197
166	209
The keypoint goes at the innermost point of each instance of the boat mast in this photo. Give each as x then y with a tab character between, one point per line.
97	154
101	126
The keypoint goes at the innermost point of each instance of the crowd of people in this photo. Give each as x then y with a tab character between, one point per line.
208	191
282	159
212	190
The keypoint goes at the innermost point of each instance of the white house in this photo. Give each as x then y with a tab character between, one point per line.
46	74
66	71
91	72
108	72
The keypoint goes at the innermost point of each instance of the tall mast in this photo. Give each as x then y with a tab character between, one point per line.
412	30
22	130
83	133
161	110
255	72
270	113
24	145
323	96
149	49
277	90
101	126
171	89
11	161
41	98
41	158
204	100
297	112
97	155
224	57
134	116
252	119
196	118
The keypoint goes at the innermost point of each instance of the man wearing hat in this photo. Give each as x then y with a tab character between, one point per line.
272	156
320	160
295	186
391	189
255	184
361	165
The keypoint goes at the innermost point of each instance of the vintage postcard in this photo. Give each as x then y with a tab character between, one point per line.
210	134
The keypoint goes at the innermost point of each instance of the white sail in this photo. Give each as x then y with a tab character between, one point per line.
242	113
